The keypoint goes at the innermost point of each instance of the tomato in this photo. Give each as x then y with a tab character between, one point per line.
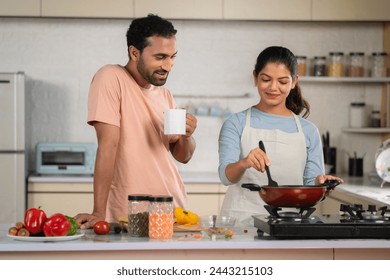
101	227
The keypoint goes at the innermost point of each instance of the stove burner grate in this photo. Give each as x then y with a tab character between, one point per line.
302	214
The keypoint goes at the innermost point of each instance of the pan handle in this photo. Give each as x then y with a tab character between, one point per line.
331	184
252	187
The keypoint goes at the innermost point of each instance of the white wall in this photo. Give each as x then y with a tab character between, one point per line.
215	58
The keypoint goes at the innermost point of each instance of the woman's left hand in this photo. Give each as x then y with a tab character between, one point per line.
322	178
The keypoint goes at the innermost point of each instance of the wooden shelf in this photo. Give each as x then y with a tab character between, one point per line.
344	79
371	130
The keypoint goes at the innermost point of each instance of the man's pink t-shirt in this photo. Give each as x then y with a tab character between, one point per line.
143	164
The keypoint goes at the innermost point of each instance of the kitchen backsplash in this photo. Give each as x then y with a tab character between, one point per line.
214	66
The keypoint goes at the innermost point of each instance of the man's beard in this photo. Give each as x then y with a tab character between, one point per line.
150	78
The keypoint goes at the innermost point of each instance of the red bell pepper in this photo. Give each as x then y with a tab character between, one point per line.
34	218
56	225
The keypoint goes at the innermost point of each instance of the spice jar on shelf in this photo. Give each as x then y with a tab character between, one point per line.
161	217
375	118
138	215
378	64
319	66
356	64
336	64
302	65
357	115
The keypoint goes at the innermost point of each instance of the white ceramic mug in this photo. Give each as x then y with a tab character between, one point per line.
175	121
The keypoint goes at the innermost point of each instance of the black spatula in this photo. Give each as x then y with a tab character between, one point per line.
271	182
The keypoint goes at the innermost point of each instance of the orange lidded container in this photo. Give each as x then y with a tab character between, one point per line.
161	217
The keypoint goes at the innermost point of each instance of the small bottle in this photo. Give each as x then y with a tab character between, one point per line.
301	65
378	66
357	115
319	68
161	217
336	64
375	118
356	64
138	215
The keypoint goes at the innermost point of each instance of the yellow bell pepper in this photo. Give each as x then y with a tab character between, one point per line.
184	217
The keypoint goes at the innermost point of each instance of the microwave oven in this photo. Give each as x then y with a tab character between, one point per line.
65	158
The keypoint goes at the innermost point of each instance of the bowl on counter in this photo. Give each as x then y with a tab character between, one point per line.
223	226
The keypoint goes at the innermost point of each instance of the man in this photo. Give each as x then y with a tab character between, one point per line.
126	106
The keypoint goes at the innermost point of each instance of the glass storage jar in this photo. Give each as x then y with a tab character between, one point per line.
357	115
336	64
302	65
378	65
356	64
138	215
375	118
161	217
319	67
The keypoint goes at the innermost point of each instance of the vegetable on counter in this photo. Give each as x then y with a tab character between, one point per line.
56	225
185	217
101	227
73	225
34	219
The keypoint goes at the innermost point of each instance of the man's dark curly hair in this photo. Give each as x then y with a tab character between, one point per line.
142	28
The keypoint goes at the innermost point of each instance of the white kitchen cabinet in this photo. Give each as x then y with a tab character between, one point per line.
267	10
205	199
20	8
350	10
180	9
66	198
88	8
72	198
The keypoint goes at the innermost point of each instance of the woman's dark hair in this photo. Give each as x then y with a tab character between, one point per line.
141	29
295	101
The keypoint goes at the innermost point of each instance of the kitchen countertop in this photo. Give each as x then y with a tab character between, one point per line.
241	242
243	245
361	187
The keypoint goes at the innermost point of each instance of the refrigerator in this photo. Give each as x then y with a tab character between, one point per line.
13	171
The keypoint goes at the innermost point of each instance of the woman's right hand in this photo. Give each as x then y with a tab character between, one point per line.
256	159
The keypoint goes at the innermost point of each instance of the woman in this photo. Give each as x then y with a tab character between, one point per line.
292	143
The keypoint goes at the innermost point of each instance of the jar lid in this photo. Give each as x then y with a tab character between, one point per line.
301	56
356	53
319	57
358	104
379	53
161	198
138	197
375	111
336	53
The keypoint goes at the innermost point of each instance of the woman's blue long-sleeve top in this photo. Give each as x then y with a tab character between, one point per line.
230	141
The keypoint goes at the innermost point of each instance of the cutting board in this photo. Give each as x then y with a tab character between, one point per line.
183	228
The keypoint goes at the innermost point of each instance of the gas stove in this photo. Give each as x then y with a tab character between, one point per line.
352	222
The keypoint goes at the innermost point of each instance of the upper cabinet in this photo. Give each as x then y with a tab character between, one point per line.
267	9
88	8
180	9
351	10
20	8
